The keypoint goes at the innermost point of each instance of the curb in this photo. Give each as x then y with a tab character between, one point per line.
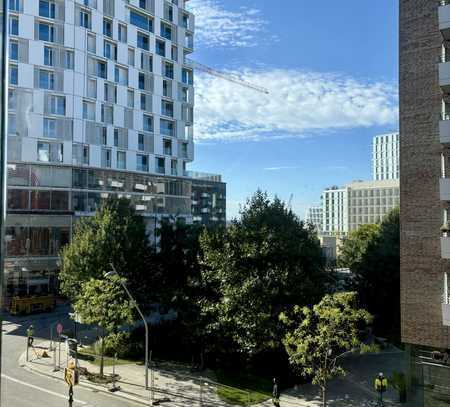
30	368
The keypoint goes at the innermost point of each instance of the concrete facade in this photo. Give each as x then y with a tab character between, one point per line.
314	216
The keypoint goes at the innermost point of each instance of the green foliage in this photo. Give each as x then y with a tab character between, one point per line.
377	276
103	303
260	266
115	234
354	247
317	336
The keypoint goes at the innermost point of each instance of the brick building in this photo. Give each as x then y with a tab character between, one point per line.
425	196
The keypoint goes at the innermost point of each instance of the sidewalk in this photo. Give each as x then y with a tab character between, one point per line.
177	389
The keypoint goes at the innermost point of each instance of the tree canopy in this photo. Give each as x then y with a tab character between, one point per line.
114	234
264	263
318	336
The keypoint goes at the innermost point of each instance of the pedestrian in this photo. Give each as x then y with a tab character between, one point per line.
275	393
30	335
381	385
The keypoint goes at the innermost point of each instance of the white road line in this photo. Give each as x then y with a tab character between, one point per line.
83	403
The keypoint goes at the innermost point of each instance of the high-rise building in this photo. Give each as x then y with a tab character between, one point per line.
385	157
314	216
208	199
358	203
335	211
100	104
425	196
370	201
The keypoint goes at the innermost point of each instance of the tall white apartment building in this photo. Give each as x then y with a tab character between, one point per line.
100	104
386	157
335	211
314	216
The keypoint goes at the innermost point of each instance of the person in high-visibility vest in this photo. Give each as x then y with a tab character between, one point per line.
381	385
30	335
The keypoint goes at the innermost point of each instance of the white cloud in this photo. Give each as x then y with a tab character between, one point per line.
280	168
217	27
300	104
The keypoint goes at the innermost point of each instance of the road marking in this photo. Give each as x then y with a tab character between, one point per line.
83	403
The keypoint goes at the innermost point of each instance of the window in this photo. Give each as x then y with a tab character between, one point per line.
145	103
148	123
161	48
46	9
92	88
131	56
141	142
110	93
13	50
122	33
57	105
13	26
48	56
121	75
12	125
142	162
107	27
187	76
141	21
14	5
166	31
160	165
85	19
121	160
141	81
46	32
168	12
130	98
167	128
146	62
168	70
13	75
50	128
167	88
143	41
184	150
107	114
101	69
185	21
174	167
68	59
46	80
167	147
91	44
104	136
189	41
174	53
166	108
49	152
106	158
185	94
88	110
85	155
110	50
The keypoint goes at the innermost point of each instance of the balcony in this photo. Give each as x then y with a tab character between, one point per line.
444	189
445	303
444	76
444	19
444	129
445	247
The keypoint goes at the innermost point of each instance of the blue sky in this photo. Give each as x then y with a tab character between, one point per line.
331	70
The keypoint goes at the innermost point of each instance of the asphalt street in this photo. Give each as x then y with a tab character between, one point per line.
21	388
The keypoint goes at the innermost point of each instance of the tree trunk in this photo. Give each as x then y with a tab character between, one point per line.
202	360
102	361
324	396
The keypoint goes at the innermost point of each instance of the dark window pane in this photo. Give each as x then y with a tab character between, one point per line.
18	199
60	201
40	241
40	200
16	241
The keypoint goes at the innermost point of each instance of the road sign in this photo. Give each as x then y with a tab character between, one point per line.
59	328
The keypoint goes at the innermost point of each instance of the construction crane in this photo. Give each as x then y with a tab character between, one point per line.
226	76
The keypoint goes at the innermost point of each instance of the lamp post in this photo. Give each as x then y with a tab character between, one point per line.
114	272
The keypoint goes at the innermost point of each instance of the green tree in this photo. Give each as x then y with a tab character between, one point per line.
103	303
318	336
354	247
263	264
114	234
377	277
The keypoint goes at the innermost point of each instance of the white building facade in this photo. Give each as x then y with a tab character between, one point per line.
100	104
386	157
314	216
335	211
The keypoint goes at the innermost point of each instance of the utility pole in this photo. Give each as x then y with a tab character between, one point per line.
3	151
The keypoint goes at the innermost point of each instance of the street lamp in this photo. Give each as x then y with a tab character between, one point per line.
114	272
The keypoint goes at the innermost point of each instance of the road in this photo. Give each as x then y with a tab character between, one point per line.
21	388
